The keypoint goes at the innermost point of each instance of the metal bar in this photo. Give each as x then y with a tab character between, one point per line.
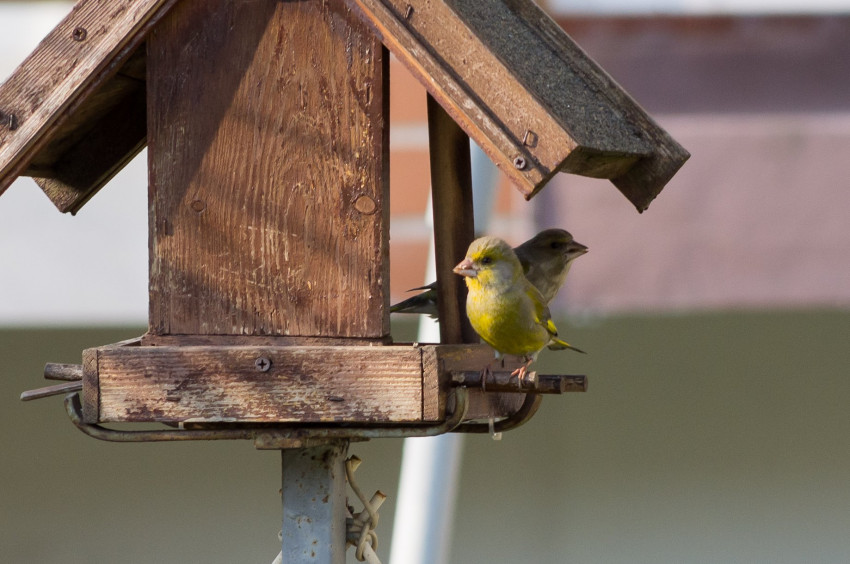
74	409
525	412
265	437
55	390
314	507
532	382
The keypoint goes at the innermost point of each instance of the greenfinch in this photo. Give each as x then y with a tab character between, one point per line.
504	308
545	260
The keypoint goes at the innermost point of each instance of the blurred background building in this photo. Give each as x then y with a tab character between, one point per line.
715	428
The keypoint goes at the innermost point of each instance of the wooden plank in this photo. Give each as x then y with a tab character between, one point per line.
149	340
70	64
90	398
299	384
366	385
107	147
641	183
269	208
454	229
553	110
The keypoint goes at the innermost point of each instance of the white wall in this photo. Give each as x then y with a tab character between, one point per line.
58	269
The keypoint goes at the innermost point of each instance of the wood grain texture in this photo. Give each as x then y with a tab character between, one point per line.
90	398
66	68
268	171
454	221
641	183
366	385
520	87
303	384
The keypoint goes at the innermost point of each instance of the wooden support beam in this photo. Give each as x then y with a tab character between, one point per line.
454	223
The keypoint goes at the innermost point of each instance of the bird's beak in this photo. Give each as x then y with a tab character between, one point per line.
575	250
465	268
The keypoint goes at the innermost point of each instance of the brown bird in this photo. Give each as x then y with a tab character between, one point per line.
545	258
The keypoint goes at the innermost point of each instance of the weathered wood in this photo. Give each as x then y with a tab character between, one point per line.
71	64
90	396
454	229
260	384
526	93
66	372
84	169
269	208
398	384
149	340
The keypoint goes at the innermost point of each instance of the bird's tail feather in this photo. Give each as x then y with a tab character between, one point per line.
557	344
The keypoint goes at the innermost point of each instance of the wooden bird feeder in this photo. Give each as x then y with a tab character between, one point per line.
267	129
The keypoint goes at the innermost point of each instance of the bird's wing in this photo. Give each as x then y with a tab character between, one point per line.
424	302
541	310
544	318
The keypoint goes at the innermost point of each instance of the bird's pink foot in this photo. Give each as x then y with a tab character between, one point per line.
522	370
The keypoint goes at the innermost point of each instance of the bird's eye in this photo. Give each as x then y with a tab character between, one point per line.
556	245
487	260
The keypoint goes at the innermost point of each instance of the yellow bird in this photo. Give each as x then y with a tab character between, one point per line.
504	308
545	260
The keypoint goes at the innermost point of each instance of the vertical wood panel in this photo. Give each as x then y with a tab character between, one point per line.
268	168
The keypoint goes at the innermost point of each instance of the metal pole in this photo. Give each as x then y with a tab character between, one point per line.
314	508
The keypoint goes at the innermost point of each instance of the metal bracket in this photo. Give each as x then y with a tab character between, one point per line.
525	412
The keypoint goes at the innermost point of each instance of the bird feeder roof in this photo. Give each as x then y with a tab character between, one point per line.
74	112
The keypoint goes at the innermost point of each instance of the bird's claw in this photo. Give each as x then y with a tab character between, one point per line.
485	373
522	370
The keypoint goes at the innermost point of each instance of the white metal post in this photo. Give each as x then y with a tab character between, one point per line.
430	467
314	508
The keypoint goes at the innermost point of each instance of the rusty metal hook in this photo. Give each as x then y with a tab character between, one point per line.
525	412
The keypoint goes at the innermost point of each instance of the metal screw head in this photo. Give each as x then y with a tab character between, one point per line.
79	34
9	121
520	162
262	364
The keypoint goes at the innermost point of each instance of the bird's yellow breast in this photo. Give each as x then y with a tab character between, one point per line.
504	320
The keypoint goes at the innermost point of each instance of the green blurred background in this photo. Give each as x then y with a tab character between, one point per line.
716	437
